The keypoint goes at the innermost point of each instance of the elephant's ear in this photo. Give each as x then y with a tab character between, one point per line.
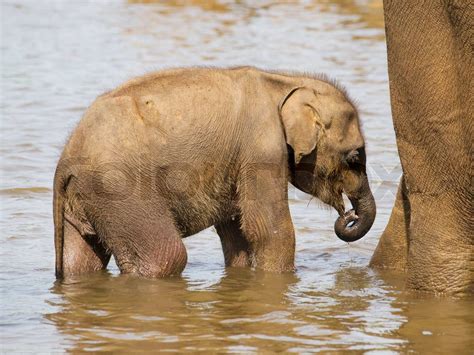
300	120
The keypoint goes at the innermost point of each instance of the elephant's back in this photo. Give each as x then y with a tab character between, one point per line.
167	116
178	111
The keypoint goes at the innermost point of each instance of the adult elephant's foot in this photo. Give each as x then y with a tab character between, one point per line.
435	248
441	249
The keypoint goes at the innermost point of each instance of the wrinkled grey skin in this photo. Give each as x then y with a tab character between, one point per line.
169	154
430	61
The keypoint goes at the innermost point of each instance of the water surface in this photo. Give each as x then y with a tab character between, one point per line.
57	56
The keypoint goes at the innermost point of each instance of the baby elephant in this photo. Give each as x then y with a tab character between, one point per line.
169	154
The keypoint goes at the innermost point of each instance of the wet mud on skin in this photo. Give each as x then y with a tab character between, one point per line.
58	56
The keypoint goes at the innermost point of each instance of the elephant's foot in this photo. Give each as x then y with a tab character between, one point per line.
440	257
435	249
236	249
82	254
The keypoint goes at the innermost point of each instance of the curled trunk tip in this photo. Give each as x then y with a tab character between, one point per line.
355	223
345	227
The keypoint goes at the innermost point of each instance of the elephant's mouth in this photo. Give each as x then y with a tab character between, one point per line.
339	205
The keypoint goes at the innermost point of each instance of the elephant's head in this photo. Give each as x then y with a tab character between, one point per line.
327	155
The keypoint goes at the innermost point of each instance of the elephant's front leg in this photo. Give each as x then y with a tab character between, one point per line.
266	223
269	230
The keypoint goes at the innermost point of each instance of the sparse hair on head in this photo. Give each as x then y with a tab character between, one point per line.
316	76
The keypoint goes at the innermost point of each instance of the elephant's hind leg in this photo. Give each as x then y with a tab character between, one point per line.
144	240
234	245
82	253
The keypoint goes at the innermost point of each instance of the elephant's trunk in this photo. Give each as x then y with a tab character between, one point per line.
354	224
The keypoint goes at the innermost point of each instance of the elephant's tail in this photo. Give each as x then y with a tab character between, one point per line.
58	215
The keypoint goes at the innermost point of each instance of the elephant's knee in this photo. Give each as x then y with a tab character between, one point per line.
167	259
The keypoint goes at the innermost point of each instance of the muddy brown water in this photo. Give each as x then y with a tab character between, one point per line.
57	56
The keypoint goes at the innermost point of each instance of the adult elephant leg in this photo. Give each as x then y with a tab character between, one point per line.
234	245
392	249
430	68
143	238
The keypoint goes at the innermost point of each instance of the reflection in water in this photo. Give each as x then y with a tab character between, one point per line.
174	313
446	326
243	310
57	56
